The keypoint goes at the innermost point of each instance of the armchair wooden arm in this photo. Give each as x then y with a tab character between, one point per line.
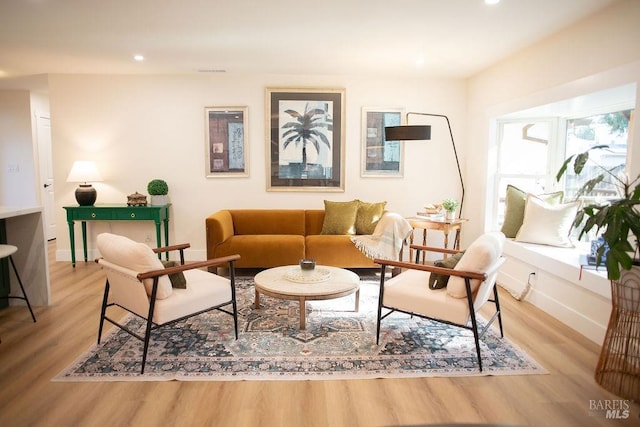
430	268
434	249
180	246
190	266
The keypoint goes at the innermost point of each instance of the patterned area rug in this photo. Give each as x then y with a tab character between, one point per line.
337	344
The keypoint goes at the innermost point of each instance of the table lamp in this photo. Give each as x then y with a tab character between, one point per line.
84	171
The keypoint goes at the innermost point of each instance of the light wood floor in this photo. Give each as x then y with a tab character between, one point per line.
32	354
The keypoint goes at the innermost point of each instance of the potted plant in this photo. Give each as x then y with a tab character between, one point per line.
450	206
158	190
619	220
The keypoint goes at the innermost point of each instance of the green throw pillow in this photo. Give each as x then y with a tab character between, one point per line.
368	216
178	280
439	281
340	217
515	201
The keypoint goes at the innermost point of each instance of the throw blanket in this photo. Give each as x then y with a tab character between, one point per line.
387	239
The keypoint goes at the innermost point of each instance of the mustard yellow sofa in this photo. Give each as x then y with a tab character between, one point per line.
266	238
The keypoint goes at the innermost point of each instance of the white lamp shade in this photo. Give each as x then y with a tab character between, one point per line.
84	171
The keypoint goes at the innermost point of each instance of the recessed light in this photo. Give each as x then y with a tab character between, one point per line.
491	1
138	58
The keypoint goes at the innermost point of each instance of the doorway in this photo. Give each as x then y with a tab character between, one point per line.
45	164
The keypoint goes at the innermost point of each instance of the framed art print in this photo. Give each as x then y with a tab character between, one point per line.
226	141
381	158
305	138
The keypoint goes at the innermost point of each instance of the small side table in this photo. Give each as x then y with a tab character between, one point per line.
444	225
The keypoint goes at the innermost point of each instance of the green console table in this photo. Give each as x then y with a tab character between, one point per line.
116	212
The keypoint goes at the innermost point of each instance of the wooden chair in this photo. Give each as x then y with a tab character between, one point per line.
471	284
138	282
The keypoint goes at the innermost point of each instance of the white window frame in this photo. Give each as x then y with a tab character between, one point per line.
553	160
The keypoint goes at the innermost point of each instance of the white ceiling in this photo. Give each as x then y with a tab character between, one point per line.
453	38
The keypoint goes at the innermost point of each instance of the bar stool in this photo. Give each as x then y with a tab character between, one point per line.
5	252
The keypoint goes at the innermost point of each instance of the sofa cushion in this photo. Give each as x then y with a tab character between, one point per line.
314	218
263	250
514	211
340	217
479	256
547	224
368	215
135	256
336	250
268	221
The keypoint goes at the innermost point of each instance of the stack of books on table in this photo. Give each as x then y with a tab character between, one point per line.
438	216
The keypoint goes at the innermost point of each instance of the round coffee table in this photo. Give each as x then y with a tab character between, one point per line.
289	283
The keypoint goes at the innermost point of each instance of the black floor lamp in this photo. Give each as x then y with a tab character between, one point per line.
422	133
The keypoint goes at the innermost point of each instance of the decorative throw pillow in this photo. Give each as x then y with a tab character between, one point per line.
479	256
177	280
439	281
514	211
134	256
547	224
340	217
368	216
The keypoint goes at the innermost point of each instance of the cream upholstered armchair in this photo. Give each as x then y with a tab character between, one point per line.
471	283
138	282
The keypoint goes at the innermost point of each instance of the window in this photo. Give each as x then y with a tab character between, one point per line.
525	149
529	154
610	129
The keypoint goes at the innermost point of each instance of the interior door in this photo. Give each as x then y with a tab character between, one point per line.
45	161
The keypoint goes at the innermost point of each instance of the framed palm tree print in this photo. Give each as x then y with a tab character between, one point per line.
305	139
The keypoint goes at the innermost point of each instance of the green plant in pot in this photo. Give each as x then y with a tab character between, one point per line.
450	206
158	190
617	219
619	222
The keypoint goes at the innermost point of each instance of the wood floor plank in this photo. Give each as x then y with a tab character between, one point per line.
31	354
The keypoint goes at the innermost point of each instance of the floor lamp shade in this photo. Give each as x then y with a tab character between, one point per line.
407	133
83	172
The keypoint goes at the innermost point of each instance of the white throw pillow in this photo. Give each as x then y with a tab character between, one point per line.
134	256
481	254
547	224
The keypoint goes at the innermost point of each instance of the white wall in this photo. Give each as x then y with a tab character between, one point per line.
17	166
141	127
598	53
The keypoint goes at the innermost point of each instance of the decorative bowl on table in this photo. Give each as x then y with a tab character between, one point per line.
307	264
